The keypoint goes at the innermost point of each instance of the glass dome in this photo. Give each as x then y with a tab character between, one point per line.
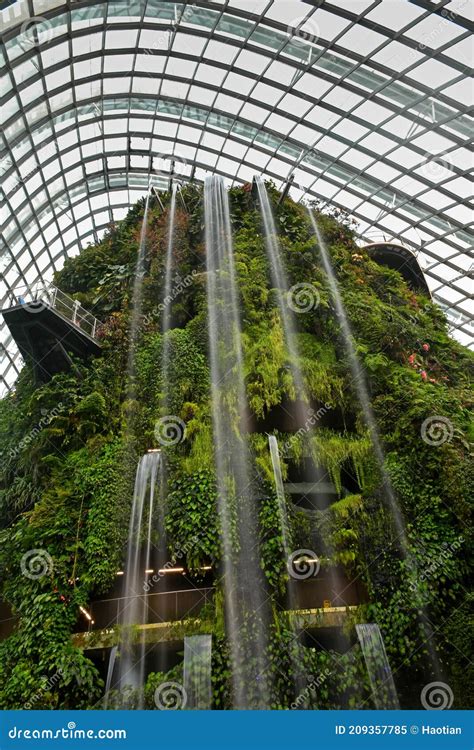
364	103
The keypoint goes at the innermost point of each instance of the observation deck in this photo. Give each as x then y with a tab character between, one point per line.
48	327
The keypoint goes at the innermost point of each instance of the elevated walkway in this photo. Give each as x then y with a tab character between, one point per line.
168	632
48	327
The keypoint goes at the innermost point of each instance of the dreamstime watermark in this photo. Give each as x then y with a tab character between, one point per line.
437	696
303	564
311	688
437	430
170	430
304	30
179	285
435	166
182	552
428	40
45	420
437	562
312	419
46	687
34	32
162	39
35	298
36	563
69	732
436	31
170	696
302	297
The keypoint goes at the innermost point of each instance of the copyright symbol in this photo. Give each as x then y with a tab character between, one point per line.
413	729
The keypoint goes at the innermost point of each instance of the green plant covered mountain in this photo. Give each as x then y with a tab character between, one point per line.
67	489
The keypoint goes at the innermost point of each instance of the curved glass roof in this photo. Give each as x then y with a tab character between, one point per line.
365	102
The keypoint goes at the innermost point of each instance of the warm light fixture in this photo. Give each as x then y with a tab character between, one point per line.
86	614
171	570
162	571
154	450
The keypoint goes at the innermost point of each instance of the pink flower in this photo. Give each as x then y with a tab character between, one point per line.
426	347
411	358
423	375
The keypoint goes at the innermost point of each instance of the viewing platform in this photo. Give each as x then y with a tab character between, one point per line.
48	327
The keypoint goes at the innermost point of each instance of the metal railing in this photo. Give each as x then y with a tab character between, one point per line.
52	297
163	606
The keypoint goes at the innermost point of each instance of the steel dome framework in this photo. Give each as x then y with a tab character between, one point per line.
364	102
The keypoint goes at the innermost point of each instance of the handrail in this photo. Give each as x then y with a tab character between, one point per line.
204	590
53	298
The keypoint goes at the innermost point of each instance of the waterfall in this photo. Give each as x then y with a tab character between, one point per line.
148	484
110	672
140	267
280	492
244	588
371	642
280	283
360	385
299	682
197	672
166	320
358	377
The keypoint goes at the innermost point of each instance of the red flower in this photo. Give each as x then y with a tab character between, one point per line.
423	374
411	358
426	347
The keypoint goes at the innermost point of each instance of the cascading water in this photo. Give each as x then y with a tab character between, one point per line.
197	672
137	298
148	484
166	320
291	590
110	673
280	491
245	595
383	687
360	385
280	283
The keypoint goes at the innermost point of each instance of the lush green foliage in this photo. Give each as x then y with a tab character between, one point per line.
69	450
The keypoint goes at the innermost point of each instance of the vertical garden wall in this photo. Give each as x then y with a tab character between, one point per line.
69	450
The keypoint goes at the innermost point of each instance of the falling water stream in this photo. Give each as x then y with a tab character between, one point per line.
137	300
148	484
371	642
110	674
166	320
197	672
360	386
280	283
244	589
280	492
